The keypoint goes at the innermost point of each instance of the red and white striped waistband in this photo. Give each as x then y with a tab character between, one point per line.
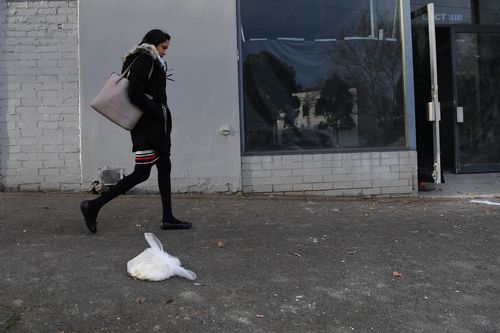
146	156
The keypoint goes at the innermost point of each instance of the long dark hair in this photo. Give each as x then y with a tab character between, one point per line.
155	37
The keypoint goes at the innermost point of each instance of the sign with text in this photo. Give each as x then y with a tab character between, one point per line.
447	11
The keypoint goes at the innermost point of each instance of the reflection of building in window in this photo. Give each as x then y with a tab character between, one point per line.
308	118
307	109
354	114
351	137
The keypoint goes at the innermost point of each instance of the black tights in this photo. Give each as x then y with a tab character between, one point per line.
141	173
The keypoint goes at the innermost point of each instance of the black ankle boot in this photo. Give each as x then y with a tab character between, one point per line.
90	215
173	223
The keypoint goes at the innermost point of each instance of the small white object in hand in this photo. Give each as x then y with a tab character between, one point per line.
153	264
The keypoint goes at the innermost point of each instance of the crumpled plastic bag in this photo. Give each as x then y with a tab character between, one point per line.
153	264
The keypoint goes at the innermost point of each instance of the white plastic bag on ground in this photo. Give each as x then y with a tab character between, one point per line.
153	264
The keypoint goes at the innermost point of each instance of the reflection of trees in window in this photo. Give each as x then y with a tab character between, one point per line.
336	104
281	115
269	84
374	68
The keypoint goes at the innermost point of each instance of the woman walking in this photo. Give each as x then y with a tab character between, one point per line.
151	136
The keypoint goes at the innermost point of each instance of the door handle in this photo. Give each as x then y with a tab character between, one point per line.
460	114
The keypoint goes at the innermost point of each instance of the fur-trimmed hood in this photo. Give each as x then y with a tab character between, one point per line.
144	48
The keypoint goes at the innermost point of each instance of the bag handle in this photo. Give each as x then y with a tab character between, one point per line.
129	67
172	261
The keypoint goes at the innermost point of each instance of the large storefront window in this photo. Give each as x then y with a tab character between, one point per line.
322	74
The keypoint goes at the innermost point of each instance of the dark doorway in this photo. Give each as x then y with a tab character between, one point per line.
446	84
468	78
423	60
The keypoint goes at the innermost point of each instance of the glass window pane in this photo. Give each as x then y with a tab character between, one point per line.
478	70
322	74
489	12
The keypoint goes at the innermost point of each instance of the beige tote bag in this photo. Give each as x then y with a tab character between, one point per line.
113	102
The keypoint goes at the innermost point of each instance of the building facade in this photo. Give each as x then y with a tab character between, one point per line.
315	97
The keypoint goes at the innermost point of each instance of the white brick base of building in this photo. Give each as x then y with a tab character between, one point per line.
39	96
343	174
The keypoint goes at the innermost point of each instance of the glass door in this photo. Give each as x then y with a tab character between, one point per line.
427	106
477	99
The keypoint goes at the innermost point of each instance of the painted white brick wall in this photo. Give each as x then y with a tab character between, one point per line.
39	96
342	174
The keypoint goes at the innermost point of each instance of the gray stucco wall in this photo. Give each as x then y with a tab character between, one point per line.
204	96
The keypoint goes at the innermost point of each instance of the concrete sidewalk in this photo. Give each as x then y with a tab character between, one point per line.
472	185
288	265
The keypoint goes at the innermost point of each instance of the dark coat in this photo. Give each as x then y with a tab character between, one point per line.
152	131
